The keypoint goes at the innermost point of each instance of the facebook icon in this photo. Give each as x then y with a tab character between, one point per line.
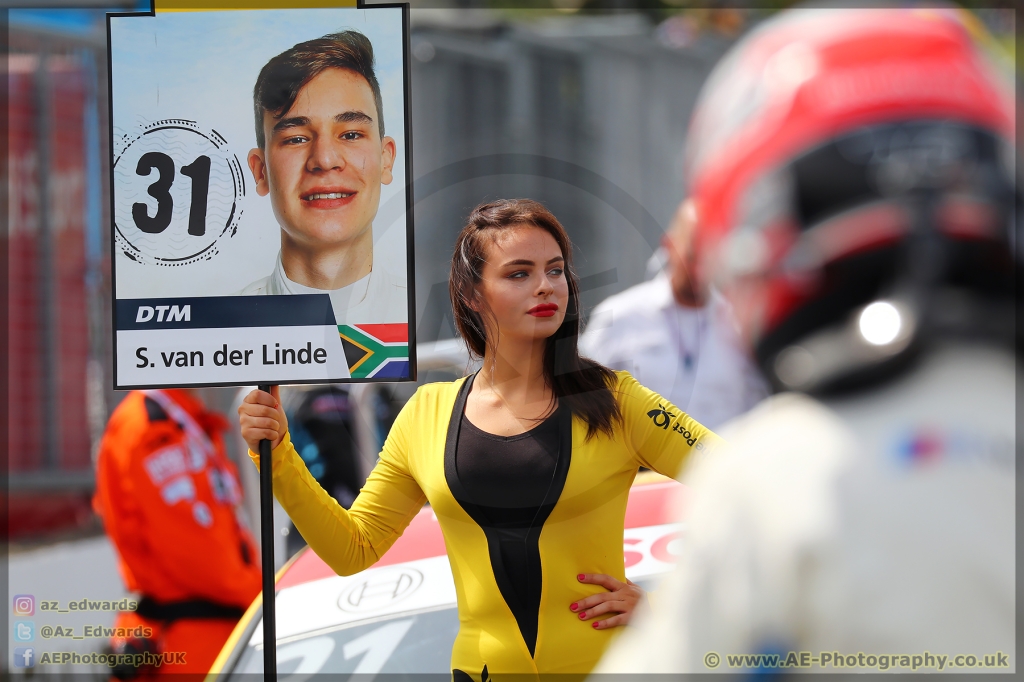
24	657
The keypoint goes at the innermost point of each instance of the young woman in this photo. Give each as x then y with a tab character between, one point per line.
527	463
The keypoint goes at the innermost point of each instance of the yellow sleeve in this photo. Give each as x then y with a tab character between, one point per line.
660	435
349	540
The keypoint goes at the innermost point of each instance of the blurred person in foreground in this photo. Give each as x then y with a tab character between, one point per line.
853	171
167	494
677	336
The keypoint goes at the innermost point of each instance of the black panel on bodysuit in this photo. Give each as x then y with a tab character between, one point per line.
509	486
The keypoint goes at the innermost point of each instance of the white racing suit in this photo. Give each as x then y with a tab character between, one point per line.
873	532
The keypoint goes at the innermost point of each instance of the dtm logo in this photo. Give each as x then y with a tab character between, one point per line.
24	657
164	313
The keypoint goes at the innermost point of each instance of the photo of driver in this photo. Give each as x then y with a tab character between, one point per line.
322	156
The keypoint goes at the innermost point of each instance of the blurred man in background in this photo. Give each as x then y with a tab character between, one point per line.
167	494
677	336
853	171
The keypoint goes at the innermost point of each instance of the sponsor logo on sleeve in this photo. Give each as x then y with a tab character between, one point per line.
661	416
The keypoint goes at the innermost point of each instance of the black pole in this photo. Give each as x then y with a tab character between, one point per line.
267	545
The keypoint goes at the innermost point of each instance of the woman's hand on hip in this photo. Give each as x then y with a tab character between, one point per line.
261	418
620	599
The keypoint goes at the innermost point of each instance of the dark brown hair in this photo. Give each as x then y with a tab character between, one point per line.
583	385
285	75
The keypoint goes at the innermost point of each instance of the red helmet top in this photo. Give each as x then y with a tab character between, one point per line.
813	134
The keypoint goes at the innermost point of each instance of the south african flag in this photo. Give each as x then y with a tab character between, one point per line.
376	350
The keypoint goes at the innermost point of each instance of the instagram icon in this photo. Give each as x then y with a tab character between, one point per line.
24	605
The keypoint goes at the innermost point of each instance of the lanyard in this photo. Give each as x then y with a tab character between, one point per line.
690	356
685	379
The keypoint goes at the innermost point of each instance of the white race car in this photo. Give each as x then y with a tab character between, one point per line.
399	616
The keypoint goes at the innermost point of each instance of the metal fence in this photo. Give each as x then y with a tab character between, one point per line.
58	265
587	115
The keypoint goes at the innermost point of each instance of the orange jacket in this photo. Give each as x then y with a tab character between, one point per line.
167	495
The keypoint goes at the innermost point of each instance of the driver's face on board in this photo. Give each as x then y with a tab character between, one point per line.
325	161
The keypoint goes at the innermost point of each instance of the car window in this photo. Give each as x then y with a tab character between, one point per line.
408	643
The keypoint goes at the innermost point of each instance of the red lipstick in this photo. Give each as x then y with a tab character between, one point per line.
543	310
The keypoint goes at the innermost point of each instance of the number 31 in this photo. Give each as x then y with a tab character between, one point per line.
198	170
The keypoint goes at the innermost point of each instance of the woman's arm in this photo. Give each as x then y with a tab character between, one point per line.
347	540
661	436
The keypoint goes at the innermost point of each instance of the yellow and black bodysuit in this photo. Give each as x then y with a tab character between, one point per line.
577	528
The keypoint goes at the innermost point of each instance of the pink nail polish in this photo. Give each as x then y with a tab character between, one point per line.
573	606
595	624
580	577
583	615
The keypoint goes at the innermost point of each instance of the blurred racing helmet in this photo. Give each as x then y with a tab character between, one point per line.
853	172
322	432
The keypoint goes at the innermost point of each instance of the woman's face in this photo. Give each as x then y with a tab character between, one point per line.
523	287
